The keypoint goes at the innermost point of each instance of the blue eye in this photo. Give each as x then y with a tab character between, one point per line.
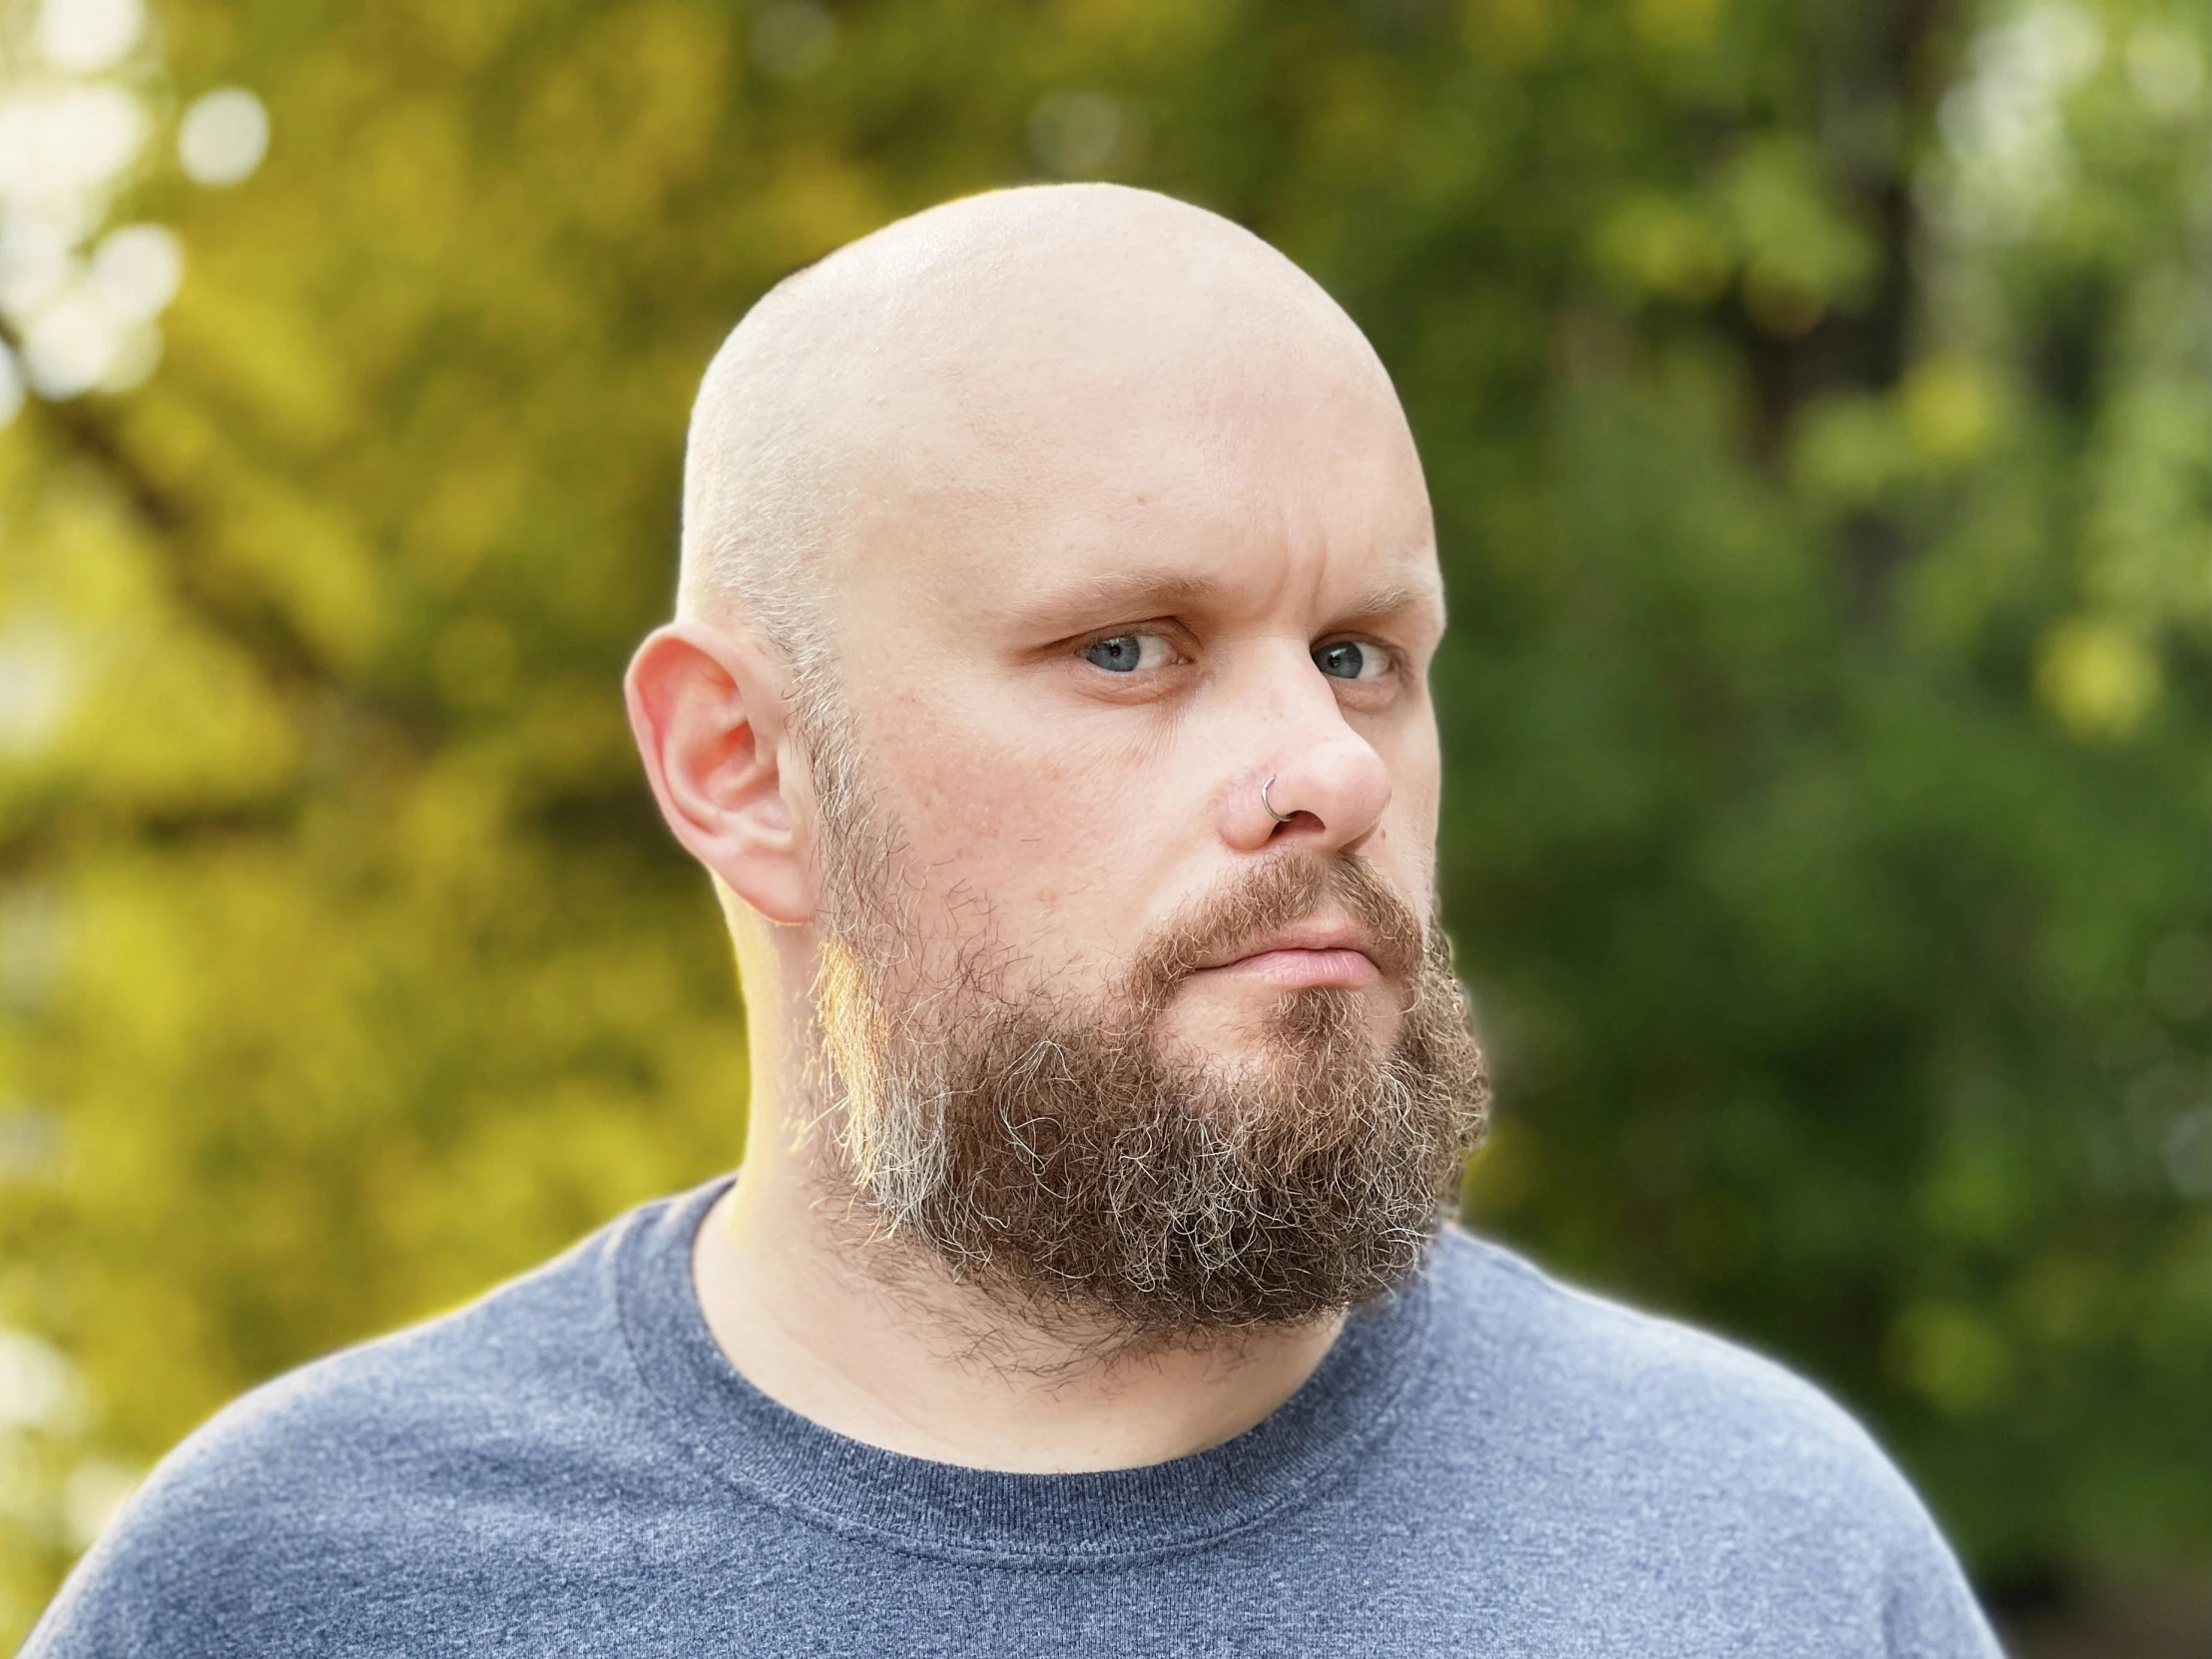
1349	660
1119	655
1126	652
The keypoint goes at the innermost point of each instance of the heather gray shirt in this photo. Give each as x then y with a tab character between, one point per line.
1486	1465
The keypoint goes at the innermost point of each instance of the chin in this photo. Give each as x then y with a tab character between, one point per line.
1331	1014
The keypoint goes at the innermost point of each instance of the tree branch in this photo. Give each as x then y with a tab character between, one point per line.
256	623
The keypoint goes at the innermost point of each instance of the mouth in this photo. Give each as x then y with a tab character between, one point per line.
1307	954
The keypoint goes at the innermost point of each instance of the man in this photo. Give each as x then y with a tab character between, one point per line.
1047	702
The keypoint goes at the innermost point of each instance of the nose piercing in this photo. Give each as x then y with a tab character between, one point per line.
1279	817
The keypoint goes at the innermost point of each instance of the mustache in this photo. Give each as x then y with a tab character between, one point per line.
1269	896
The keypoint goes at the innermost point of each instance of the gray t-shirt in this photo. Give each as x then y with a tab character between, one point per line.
1485	1464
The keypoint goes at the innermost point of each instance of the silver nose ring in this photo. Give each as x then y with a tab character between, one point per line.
1279	817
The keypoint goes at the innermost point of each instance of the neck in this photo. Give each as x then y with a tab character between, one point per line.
875	1341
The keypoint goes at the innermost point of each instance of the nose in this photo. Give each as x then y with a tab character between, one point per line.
1310	779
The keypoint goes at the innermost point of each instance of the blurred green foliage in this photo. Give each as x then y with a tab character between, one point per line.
1814	398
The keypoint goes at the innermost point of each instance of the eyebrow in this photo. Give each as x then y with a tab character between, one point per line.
1132	595
1118	596
1400	596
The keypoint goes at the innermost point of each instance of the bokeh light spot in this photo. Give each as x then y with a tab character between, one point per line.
92	1496
2096	677
86	35
1950	1356
136	269
38	673
223	137
1079	133
69	345
1949	408
794	39
84	136
34	260
11	386
2165	67
137	354
34	1381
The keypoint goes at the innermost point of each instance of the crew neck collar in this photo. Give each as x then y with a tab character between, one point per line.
1111	1517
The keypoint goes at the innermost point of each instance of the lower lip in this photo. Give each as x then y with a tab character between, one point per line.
1297	969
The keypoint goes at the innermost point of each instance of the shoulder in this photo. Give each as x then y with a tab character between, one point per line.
356	1468
1641	1474
1576	1358
1640	1421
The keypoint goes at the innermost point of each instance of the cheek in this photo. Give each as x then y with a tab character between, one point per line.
968	800
1402	846
1043	838
1414	805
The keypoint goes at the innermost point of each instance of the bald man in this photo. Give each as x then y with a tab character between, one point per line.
1047	702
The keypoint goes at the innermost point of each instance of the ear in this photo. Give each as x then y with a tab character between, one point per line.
706	709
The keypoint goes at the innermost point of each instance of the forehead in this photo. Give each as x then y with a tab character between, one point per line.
1258	488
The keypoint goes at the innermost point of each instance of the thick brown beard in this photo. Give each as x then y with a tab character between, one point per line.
1064	1157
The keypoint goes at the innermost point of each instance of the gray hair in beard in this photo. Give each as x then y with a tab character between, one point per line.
1052	1150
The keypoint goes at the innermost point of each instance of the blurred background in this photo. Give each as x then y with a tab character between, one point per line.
1814	394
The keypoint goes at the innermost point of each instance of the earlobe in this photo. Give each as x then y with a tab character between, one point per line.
706	710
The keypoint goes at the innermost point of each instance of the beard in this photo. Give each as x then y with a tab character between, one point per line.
1060	1152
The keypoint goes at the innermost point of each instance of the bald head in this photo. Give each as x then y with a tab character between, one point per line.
1058	569
997	347
1093	802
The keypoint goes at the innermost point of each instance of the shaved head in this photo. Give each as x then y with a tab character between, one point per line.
970	349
